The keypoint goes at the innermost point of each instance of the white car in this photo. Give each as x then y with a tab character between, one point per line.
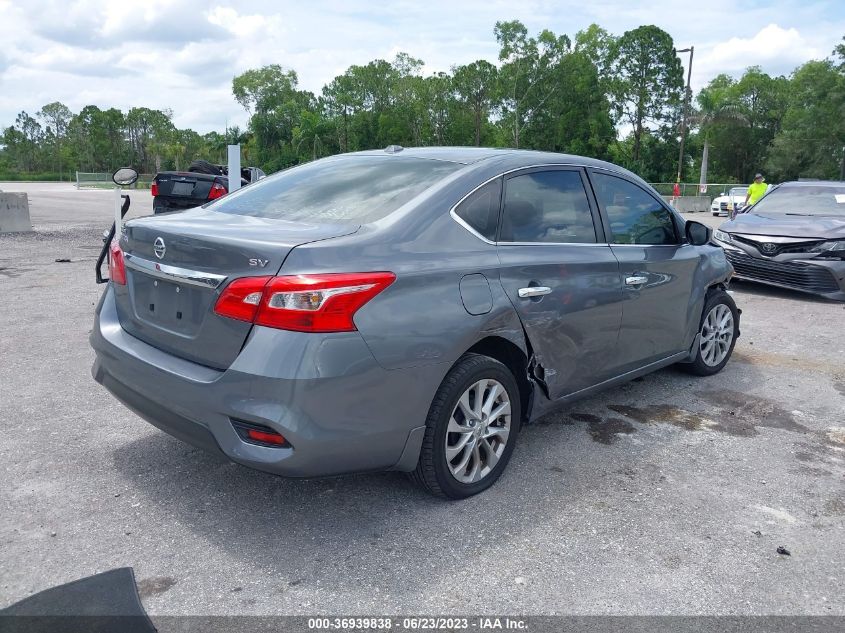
722	205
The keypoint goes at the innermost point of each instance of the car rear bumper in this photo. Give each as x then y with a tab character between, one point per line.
340	411
825	278
166	204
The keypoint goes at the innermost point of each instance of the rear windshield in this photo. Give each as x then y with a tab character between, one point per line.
358	189
821	200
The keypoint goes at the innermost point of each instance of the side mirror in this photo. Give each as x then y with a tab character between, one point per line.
125	176
697	233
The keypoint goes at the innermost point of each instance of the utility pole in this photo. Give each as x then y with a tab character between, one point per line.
842	166
689	50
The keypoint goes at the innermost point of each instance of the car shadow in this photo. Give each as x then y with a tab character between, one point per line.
764	290
319	532
377	528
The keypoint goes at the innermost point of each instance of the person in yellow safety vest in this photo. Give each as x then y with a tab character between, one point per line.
756	190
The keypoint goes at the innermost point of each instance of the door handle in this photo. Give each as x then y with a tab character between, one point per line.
533	291
635	280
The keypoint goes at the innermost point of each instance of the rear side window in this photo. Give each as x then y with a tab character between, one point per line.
547	206
358	189
635	216
480	210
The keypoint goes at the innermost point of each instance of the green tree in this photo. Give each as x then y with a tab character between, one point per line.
715	107
647	82
313	133
597	45
151	135
475	85
576	118
56	117
812	139
525	77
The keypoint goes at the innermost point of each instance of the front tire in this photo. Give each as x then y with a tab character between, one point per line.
470	430
718	330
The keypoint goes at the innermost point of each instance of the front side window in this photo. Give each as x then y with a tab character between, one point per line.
635	216
481	209
547	206
358	189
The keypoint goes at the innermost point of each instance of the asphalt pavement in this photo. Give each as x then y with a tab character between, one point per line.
668	495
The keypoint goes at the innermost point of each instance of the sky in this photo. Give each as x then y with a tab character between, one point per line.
182	54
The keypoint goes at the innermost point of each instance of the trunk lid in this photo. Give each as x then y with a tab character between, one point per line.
177	265
187	185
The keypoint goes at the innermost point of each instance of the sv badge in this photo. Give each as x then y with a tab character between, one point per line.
261	263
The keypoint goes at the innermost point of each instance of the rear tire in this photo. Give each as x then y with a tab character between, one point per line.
718	330
470	430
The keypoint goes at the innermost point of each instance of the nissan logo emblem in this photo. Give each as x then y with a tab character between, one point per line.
159	248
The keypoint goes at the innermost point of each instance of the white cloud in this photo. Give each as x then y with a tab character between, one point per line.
182	54
778	50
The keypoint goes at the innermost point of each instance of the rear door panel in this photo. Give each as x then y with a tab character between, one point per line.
572	328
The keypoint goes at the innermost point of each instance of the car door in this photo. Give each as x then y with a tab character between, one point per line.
657	269
560	276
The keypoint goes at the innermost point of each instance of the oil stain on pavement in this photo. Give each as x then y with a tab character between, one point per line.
604	430
734	413
155	586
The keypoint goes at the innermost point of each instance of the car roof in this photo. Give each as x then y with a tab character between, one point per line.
812	183
507	158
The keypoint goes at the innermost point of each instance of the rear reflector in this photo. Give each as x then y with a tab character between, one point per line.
117	269
302	303
259	434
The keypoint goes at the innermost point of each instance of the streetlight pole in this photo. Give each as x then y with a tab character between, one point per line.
689	50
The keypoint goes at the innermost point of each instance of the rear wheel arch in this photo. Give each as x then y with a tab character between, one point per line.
515	359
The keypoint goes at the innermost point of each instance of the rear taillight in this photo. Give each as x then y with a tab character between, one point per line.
303	303
217	191
117	269
241	298
154	188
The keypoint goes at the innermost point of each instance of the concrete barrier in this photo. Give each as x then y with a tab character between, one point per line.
14	213
690	204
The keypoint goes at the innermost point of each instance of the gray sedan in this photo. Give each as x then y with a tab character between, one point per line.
794	237
405	309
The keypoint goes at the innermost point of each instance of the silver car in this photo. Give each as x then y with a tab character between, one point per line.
405	310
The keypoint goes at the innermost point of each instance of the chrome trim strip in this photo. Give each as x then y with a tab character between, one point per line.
466	226
174	273
779	239
460	221
555	244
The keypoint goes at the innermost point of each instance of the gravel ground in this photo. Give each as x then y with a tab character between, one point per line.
669	495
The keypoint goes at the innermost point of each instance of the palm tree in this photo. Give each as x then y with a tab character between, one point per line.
711	112
311	131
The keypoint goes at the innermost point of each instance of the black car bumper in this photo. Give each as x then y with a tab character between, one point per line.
825	278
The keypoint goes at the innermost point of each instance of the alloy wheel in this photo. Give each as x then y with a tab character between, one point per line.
478	431
717	333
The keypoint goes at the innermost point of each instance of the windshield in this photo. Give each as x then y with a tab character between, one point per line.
736	192
357	189
821	200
